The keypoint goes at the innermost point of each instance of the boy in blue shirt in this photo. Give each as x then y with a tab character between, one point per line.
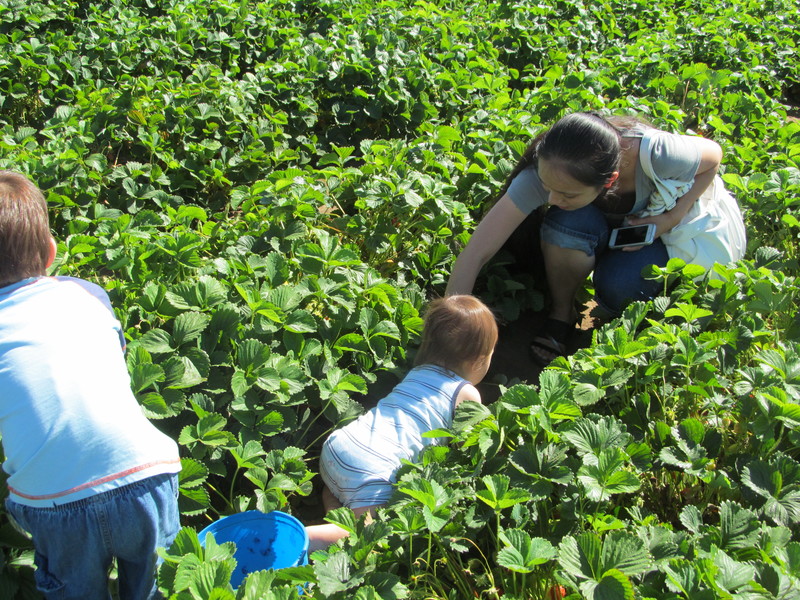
89	476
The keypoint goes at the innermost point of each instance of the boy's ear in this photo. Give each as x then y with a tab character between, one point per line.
52	252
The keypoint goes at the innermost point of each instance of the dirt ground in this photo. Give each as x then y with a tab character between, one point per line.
512	362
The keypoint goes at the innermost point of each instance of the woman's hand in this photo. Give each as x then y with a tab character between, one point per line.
663	222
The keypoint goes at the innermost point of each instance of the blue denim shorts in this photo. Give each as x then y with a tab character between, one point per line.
76	542
617	273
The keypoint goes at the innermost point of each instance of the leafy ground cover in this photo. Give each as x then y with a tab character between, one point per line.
272	191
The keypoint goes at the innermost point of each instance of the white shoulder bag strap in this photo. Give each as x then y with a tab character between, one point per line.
667	192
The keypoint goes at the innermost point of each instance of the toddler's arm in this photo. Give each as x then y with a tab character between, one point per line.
322	536
468	393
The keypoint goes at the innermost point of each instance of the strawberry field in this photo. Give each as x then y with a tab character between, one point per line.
272	191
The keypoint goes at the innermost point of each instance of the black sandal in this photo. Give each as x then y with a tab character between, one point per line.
552	338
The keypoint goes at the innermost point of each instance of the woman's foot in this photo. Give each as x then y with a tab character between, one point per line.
551	341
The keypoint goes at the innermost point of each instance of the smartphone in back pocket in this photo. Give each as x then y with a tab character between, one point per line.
634	235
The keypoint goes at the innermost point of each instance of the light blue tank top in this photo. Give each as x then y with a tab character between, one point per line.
377	441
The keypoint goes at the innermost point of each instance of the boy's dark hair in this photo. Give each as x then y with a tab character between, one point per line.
459	330
24	229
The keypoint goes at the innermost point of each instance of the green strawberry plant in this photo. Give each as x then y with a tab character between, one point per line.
271	192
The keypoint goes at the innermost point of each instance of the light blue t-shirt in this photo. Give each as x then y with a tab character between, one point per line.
71	427
674	158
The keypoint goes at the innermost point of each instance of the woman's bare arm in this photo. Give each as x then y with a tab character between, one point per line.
492	232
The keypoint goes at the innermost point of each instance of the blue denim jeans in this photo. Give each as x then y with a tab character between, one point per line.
75	542
617	273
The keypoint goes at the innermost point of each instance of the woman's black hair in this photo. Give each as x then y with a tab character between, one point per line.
569	140
585	143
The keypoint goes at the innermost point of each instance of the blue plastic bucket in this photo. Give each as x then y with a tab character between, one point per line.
271	540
